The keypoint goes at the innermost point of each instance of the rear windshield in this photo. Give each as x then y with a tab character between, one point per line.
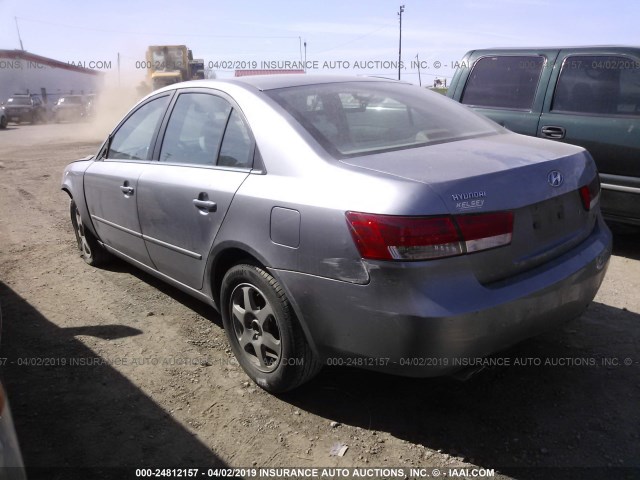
356	118
20	101
73	100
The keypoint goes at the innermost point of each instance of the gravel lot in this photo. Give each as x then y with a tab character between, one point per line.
112	368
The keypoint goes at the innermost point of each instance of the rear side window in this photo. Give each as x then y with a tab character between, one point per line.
195	129
19	101
504	82
236	150
598	84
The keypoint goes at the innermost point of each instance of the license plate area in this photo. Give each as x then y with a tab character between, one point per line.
549	227
549	215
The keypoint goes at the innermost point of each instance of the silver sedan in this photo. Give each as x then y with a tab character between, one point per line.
345	221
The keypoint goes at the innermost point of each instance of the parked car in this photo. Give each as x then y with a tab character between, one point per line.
25	108
91	105
70	108
11	465
587	96
348	221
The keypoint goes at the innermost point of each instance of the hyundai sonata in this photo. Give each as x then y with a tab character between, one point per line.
348	221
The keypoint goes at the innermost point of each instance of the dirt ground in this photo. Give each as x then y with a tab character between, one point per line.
111	368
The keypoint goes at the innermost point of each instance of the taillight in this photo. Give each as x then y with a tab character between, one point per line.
387	237
486	230
590	194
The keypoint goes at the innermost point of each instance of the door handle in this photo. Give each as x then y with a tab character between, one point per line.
556	133
206	205
126	190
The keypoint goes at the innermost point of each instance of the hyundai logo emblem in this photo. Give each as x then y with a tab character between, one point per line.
555	178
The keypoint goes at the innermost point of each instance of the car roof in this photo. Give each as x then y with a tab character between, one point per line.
586	48
271	82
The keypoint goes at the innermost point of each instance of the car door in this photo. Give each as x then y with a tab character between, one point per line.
596	104
205	155
110	183
594	101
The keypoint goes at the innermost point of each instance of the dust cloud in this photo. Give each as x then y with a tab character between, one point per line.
110	105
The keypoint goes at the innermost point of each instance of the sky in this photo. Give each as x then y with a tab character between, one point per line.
342	37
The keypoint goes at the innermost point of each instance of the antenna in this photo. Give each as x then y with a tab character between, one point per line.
18	28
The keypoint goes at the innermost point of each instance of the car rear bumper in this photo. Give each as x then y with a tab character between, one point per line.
68	114
17	117
432	318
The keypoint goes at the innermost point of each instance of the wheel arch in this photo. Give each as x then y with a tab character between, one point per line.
232	254
224	260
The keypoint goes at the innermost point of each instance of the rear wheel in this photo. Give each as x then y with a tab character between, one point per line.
264	333
90	250
3	122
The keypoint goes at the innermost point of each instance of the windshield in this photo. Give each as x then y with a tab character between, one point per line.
19	101
70	100
355	118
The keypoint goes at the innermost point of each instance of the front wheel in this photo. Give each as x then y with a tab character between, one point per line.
263	331
3	122
90	250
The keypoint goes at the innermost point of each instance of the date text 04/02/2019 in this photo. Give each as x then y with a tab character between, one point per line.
315	472
305	65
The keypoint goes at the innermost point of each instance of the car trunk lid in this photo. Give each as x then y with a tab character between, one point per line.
538	181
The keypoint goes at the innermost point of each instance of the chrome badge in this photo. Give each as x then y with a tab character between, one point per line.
469	200
555	178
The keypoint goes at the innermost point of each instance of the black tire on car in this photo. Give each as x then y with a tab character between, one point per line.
90	250
3	122
263	331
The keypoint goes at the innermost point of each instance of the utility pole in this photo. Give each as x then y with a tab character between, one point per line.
305	56
400	42
300	45
419	77
18	28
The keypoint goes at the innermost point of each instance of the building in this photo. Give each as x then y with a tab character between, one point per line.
24	72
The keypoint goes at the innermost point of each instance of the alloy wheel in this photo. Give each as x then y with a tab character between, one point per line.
83	244
256	327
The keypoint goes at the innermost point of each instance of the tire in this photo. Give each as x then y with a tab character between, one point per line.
90	250
263	331
3	122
